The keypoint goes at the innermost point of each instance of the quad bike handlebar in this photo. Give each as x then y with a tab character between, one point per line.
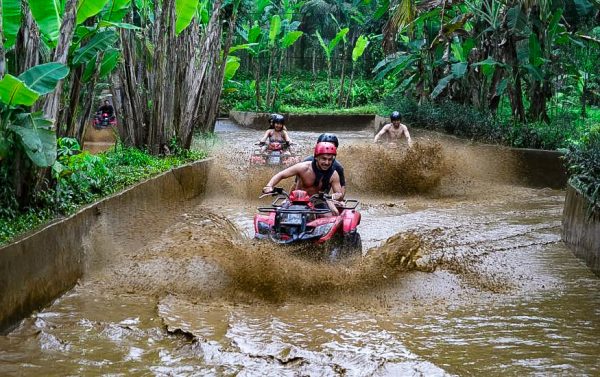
281	191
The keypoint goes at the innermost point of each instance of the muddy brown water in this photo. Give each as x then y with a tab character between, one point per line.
463	273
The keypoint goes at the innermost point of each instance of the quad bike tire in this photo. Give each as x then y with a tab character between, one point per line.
350	245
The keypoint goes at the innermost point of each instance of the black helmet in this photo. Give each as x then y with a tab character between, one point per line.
328	138
395	116
277	118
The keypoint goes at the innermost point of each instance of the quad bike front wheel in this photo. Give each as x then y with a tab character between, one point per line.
349	245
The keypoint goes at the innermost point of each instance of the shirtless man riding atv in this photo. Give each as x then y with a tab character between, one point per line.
394	131
314	176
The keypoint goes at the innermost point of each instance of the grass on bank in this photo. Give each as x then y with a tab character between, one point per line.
358	110
80	178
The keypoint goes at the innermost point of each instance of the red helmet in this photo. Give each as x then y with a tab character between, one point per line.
325	148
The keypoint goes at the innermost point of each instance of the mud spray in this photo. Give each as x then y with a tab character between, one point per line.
203	254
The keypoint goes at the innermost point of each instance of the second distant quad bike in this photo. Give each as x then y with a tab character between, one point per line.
103	120
274	154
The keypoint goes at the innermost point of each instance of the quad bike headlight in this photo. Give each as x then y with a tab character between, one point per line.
322	230
263	228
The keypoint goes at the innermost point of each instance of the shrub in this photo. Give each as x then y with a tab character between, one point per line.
583	165
81	178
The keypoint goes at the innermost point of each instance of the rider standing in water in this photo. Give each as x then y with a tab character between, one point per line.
276	133
337	166
394	131
314	176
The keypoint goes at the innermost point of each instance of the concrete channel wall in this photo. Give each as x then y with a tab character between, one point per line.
580	231
39	267
298	122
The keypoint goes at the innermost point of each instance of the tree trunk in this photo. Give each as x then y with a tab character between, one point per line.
27	45
52	100
540	93
276	91
2	52
268	90
350	87
68	117
210	116
132	93
257	82
87	107
343	78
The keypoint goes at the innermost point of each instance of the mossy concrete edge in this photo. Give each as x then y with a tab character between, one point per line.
40	266
580	231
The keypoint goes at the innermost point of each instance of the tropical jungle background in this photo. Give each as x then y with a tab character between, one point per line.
517	73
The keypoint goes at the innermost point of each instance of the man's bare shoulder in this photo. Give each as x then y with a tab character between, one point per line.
304	165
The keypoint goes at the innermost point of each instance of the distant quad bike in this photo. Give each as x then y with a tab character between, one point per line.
103	120
294	219
274	155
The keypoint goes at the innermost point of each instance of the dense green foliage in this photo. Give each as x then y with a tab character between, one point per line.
81	178
467	122
583	164
301	91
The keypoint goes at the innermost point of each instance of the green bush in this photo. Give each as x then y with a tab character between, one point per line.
300	90
467	122
81	178
583	164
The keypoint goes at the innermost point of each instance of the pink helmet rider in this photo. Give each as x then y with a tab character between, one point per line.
325	148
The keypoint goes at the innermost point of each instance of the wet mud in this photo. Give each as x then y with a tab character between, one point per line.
462	272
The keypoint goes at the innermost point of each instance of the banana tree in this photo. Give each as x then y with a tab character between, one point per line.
282	35
256	39
23	132
359	48
328	49
168	83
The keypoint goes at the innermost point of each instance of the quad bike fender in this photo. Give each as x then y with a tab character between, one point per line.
337	224
265	219
351	219
291	160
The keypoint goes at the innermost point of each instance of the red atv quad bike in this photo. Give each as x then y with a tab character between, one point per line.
273	155
294	219
103	120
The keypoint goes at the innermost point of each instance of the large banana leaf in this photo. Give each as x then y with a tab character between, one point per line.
290	38
488	66
231	67
459	69
536	58
47	14
116	10
109	62
185	10
89	8
338	37
246	46
14	92
100	41
323	45
121	25
441	85
274	29
254	33
44	77
260	7
11	21
359	47
37	137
